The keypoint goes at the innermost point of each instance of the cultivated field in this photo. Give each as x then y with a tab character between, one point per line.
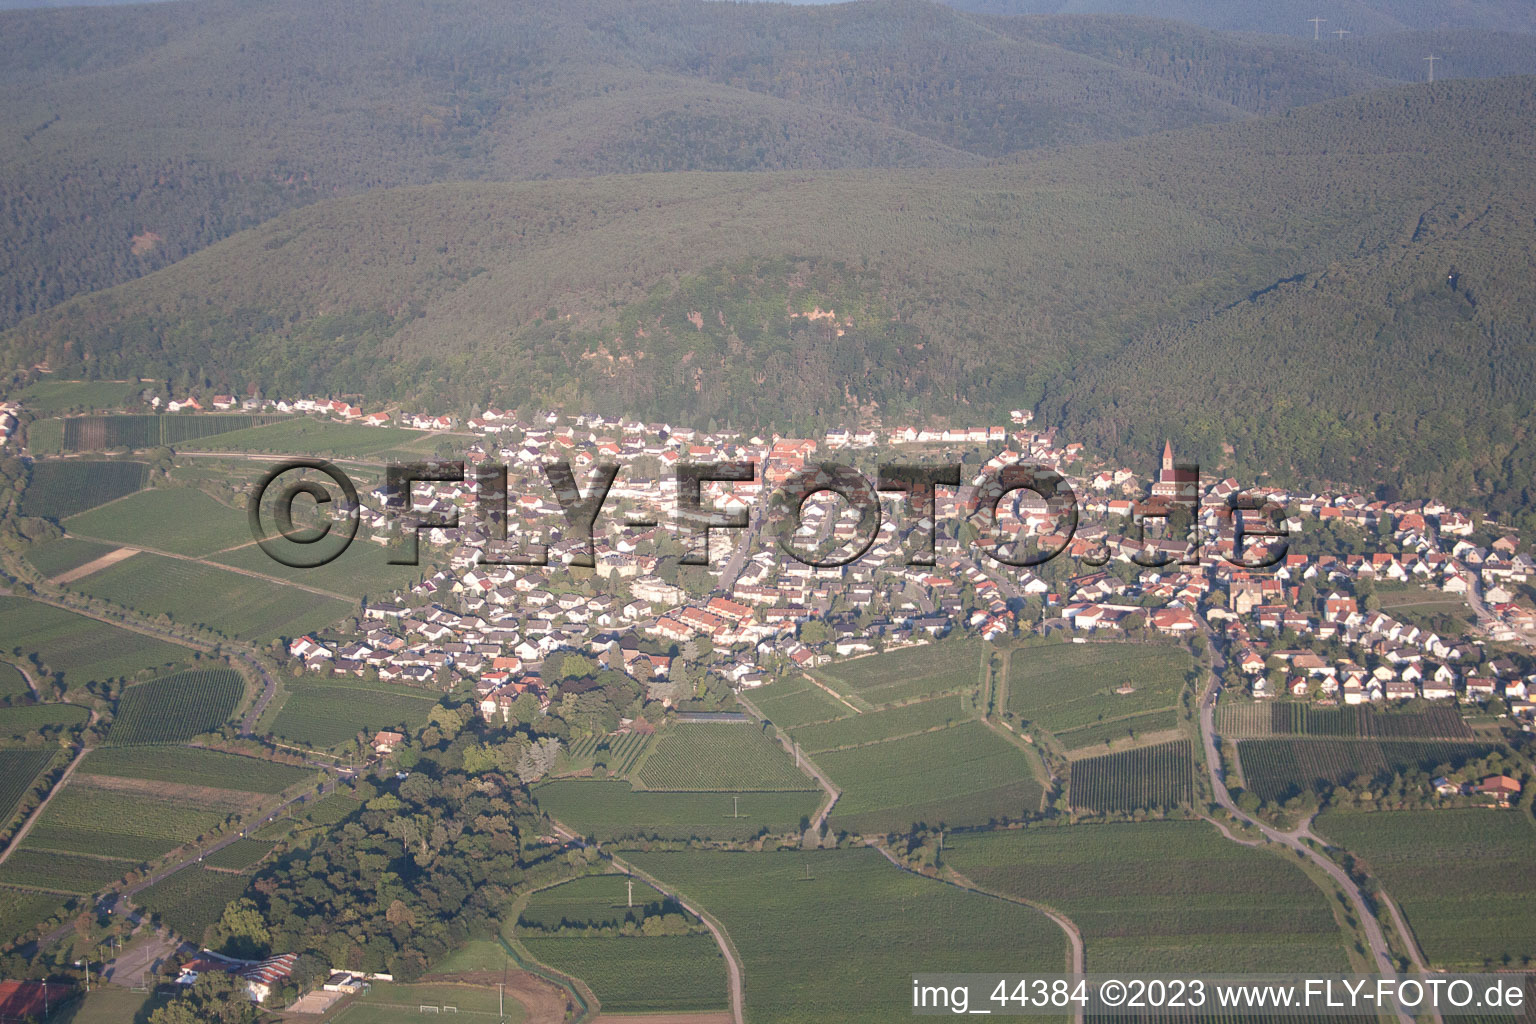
192	899
1465	879
191	593
94	817
94	433
21	910
176	708
629	974
48	397
1143	778
610	809
19	768
59	489
836	935
719	756
12	682
1280	769
324	714
961	776
66	553
912	672
790	703
193	766
874	726
181	520
57	872
1287	718
619	753
1073	689
363	570
1163	896
83	649
240	855
16	723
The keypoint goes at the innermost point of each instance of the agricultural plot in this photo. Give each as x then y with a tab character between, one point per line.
66	553
966	775
1143	778
181	520
95	433
59	489
717	756
836	935
12	683
791	703
82	649
912	672
50	397
363	570
611	809
1467	917
640	974
19	769
21	911
229	603
45	437
23	720
1163	896
1286	718
874	726
325	714
1279	769
1078	690
62	873
240	855
192	899
175	708
593	901
89	817
193	766
302	435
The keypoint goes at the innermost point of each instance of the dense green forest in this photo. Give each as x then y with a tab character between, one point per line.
138	135
1289	17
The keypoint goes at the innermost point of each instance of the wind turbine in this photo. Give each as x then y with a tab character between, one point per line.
1317	23
1432	58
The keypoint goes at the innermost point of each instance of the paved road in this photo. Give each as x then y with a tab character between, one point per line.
1380	952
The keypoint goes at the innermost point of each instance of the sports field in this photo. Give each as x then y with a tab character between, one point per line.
1163	896
836	935
1464	878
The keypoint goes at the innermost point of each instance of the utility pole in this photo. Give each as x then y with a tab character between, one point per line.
735	807
501	1007
1341	33
631	893
1317	23
1432	58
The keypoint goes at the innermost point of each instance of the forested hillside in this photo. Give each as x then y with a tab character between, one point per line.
1127	287
138	135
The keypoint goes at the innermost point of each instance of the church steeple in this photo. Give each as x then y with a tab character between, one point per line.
1167	455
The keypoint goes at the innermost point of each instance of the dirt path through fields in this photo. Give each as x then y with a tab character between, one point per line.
95	565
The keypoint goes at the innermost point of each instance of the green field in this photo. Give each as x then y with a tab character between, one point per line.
240	855
12	683
19	769
1253	720
610	809
1161	776
192	899
176	708
618	753
303	435
49	397
57	872
1281	768
193	766
64	554
912	672
1070	689
181	520
796	701
226	602
836	935
1465	879
97	433
628	974
85	817
59	489
21	911
394	1003
363	570
324	714
961	776
45	437
712	756
1163	896
17	722
81	648
873	726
